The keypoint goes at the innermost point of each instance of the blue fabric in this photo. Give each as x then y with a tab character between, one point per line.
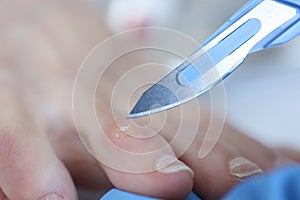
192	196
281	184
115	194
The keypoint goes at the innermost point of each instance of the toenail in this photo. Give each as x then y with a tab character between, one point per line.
53	196
241	168
170	164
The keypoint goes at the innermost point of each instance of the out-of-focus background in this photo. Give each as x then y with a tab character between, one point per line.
263	95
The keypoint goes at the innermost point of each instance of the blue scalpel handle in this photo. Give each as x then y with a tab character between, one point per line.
281	35
293	30
258	25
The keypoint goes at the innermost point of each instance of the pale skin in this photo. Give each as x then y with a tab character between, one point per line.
40	151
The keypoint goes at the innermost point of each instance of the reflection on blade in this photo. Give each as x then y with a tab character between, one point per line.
169	92
156	99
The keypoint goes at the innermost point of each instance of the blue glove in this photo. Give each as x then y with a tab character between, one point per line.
281	184
115	194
